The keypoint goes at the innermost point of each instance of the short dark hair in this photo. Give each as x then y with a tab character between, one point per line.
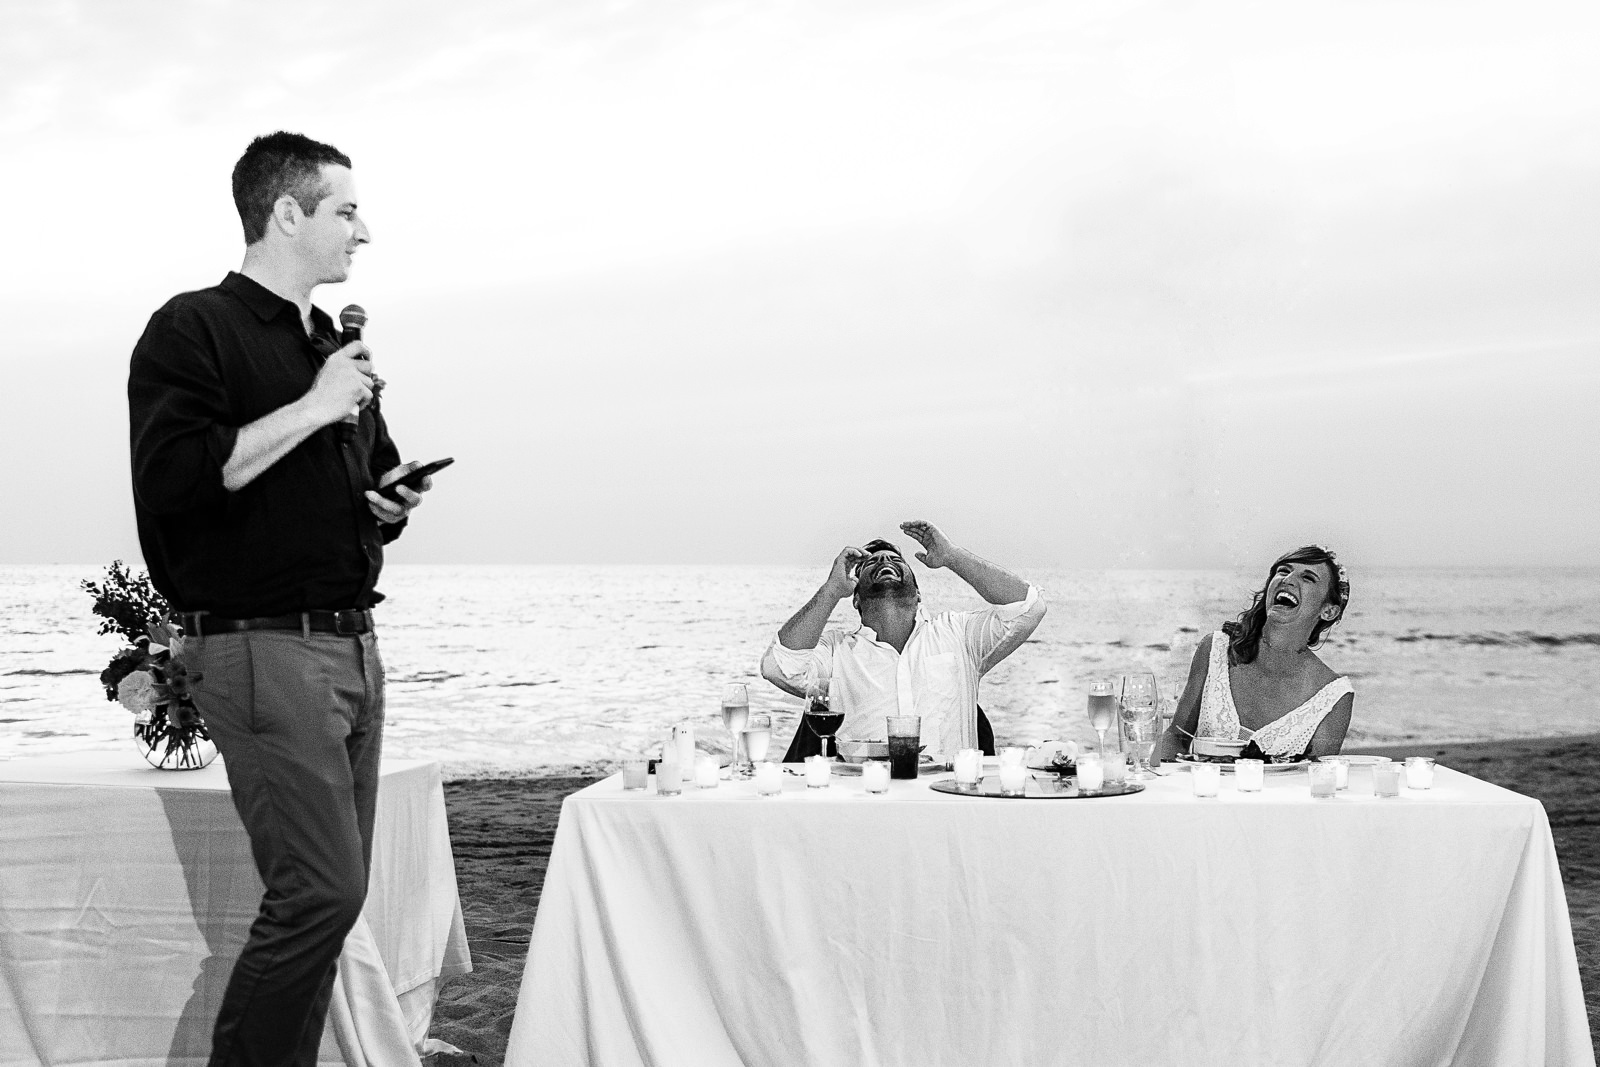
278	164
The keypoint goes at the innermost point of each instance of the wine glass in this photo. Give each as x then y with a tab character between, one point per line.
757	736
735	713
1102	709
1139	720
821	719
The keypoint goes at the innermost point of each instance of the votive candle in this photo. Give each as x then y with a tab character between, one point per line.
1250	775
635	773
875	776
967	764
1386	779
1091	775
1013	779
1206	779
1341	770
1114	768
1324	780
1419	772
769	779
819	769
705	772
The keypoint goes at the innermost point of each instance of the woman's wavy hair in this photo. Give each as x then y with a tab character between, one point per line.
1244	633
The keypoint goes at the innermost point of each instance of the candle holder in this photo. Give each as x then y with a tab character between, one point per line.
819	771
1386	779
875	776
1419	772
769	779
1249	775
635	773
1091	773
968	767
1206	778
669	773
1324	780
705	772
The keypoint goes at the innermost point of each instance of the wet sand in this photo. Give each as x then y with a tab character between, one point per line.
502	831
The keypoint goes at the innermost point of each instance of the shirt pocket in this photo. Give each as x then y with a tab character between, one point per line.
941	678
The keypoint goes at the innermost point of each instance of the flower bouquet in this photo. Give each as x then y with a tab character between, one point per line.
144	677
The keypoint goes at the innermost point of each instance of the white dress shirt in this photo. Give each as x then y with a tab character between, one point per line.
936	676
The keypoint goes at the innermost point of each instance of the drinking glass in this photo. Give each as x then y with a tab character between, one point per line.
1102	709
735	712
821	719
1139	720
905	745
757	736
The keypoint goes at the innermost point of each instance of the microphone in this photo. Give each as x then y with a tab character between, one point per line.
351	322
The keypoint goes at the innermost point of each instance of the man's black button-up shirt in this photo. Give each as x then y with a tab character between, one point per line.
300	536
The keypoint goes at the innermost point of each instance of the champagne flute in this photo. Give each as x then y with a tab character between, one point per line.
735	712
1102	709
1139	720
757	736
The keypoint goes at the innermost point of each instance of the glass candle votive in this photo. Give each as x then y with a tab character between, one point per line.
968	766
1324	780
1249	775
819	769
1091	773
635	773
1013	779
1341	770
1419	772
669	774
1386	779
769	779
1114	768
1206	778
705	771
875	776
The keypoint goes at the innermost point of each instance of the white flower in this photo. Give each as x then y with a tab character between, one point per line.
137	692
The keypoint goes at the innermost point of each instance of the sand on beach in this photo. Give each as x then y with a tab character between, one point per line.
502	831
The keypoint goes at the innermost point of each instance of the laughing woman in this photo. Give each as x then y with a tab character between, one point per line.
1257	678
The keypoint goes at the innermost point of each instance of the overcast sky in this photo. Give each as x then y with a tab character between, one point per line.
1088	284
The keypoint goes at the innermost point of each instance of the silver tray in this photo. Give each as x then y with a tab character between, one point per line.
1036	789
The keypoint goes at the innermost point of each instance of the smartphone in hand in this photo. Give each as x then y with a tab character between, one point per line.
413	480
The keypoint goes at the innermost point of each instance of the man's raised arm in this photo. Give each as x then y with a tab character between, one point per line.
990	581
784	664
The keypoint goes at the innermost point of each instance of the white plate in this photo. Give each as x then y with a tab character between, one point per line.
1227	768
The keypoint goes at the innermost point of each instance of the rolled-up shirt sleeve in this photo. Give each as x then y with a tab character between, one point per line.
995	632
789	668
178	411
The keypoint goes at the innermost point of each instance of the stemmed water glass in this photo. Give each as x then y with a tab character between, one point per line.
1102	709
1140	718
735	713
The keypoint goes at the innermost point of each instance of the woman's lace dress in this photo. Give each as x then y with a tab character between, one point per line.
1288	735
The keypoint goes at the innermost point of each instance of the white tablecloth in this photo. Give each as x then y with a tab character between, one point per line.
127	892
720	928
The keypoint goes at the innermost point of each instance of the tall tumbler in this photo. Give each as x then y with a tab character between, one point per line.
905	745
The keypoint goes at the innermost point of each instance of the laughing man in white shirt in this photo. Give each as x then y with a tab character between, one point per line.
901	660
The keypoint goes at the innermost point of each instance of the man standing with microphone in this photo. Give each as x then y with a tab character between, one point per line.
257	447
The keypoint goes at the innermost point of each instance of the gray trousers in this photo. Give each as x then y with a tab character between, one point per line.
299	723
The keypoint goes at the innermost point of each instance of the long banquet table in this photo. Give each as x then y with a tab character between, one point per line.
127	892
831	927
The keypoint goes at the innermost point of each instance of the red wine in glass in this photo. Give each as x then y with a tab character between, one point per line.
823	721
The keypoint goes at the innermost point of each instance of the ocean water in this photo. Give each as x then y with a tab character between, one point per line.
535	669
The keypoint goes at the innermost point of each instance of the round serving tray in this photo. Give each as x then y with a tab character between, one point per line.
1035	789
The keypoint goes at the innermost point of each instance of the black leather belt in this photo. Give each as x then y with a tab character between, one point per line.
351	621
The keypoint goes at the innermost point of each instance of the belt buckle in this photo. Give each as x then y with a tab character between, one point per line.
356	619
